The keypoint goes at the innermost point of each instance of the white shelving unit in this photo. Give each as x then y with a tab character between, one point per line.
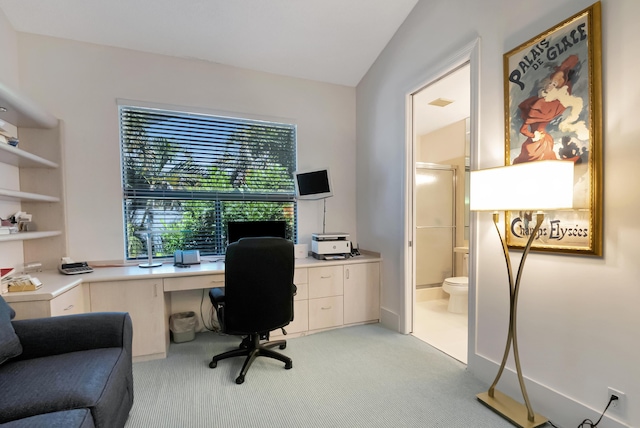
25	236
40	177
16	157
15	195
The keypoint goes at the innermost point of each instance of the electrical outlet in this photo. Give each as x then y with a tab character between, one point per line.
618	406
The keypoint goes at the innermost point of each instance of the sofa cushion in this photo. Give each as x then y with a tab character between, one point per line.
95	379
78	418
9	343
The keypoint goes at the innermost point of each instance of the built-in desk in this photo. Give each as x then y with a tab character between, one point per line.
330	294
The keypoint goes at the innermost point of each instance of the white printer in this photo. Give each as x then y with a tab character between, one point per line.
330	246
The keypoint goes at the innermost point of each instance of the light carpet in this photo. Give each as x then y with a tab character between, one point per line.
360	376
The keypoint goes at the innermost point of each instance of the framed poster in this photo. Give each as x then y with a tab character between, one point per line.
553	110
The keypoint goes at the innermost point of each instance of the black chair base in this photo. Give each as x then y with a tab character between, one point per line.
252	348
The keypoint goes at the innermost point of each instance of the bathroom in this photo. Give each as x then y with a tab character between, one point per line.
441	154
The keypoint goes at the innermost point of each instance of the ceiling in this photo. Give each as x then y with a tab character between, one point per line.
334	41
456	87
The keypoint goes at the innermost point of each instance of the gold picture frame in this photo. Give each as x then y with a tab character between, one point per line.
553	110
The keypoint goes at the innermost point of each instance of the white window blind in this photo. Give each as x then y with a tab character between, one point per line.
186	175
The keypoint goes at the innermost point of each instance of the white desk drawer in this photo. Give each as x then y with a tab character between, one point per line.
300	280
71	302
302	293
325	281
300	320
325	312
193	282
300	276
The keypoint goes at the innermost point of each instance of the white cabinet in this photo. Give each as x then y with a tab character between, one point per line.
144	301
325	281
328	296
67	303
326	286
325	312
361	292
344	294
300	321
37	161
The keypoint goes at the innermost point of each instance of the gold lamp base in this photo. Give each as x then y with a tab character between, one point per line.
510	409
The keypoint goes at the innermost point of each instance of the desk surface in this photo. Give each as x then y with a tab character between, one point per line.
55	283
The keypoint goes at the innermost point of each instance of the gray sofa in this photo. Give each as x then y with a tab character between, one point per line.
68	371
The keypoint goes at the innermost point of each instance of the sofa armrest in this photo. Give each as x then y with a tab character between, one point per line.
58	335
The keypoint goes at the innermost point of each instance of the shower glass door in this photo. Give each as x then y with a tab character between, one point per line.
435	223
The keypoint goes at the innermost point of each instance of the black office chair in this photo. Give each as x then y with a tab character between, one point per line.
257	298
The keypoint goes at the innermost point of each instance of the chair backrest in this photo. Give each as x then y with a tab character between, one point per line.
258	285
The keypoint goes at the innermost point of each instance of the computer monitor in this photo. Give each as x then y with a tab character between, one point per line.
314	184
253	229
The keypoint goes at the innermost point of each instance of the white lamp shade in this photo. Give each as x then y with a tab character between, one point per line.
530	186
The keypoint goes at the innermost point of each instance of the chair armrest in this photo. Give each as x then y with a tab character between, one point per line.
59	335
217	297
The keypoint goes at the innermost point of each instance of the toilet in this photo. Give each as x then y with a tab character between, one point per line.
458	289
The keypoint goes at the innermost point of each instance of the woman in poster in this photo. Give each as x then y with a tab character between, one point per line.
539	110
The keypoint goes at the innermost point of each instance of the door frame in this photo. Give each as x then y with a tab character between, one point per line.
470	53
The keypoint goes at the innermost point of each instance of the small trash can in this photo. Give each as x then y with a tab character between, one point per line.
183	326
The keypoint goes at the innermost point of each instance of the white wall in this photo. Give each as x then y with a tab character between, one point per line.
9	52
578	316
444	146
79	83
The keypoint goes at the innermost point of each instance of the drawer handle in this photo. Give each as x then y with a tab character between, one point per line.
324	308
217	281
325	277
68	308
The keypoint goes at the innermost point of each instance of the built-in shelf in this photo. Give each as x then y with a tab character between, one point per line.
24	236
14	195
21	111
14	156
39	132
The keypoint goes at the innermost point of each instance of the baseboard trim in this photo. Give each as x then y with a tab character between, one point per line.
390	320
149	357
558	408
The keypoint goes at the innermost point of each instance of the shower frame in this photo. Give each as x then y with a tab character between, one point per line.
454	183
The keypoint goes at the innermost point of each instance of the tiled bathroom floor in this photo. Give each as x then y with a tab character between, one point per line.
434	324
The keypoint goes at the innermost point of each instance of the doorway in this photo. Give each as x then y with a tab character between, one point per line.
440	227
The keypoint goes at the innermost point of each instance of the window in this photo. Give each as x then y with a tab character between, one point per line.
186	175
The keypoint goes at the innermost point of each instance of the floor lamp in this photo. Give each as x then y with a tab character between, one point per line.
532	186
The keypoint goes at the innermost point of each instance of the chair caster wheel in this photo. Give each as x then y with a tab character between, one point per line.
283	346
240	380
288	365
213	364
